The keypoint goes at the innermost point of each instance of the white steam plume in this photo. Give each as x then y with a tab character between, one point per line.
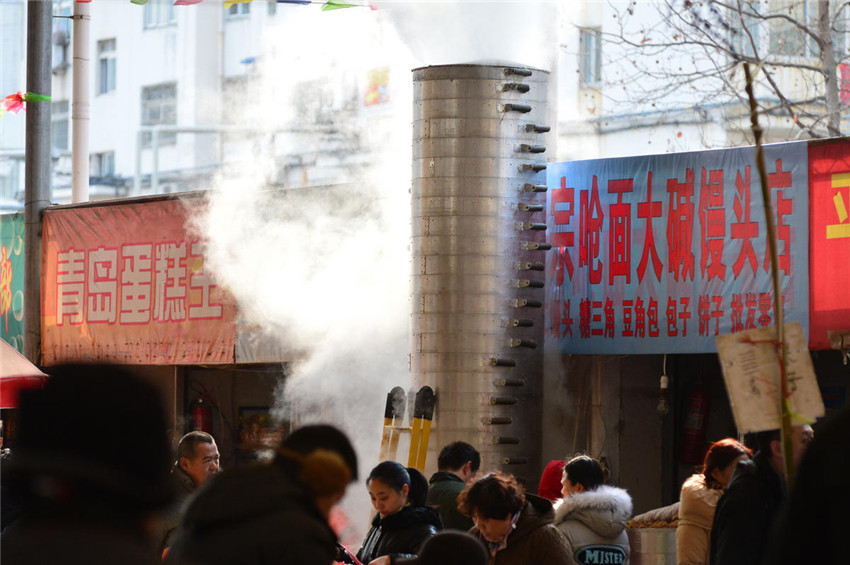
441	32
326	270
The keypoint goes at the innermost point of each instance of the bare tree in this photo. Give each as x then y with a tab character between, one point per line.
690	52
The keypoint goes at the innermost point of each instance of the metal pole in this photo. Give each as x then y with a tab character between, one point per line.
37	160
80	107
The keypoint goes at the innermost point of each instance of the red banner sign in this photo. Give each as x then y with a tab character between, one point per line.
128	284
829	241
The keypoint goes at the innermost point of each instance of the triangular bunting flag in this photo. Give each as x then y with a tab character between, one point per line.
336	5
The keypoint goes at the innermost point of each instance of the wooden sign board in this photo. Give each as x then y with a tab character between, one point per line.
751	371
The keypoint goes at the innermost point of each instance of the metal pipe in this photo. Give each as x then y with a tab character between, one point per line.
81	104
37	166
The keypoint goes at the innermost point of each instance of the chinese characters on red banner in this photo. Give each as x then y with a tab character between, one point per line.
150	282
128	283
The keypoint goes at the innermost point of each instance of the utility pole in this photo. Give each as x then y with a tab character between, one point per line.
80	107
39	76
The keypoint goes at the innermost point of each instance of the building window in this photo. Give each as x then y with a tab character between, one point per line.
744	33
106	66
240	9
590	56
786	39
59	125
103	164
159	107
159	13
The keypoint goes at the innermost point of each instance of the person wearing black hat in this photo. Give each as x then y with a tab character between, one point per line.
91	470
275	512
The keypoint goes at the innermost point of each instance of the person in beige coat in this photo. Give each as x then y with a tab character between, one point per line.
699	497
592	516
516	528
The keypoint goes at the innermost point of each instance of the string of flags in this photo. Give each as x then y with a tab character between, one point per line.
15	102
326	4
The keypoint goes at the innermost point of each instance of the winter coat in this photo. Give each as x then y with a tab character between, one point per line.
816	521
184	487
400	534
443	491
746	513
594	525
696	514
253	515
534	540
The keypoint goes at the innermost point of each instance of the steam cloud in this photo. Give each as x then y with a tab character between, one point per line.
329	274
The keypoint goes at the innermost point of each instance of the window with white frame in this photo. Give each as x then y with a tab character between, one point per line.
59	125
102	164
106	61
238	10
159	13
590	56
159	107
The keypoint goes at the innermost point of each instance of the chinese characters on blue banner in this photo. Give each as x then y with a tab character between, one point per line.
663	253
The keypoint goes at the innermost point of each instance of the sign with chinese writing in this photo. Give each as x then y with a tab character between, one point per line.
829	187
752	375
663	253
12	279
128	284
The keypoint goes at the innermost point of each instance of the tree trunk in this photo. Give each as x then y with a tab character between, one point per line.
827	57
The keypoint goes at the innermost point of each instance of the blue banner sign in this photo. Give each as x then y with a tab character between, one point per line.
663	253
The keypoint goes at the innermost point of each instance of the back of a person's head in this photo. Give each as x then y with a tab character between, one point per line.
189	442
310	438
320	457
452	548
760	441
99	430
720	455
456	454
495	495
584	470
418	493
550	481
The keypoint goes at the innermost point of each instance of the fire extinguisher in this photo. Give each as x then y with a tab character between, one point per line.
694	427
202	414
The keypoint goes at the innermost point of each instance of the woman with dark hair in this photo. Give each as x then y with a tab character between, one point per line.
403	522
699	498
516	528
592	516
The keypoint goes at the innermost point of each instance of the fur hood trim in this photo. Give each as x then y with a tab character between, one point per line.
605	510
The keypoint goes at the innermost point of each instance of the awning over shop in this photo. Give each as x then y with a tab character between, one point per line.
16	374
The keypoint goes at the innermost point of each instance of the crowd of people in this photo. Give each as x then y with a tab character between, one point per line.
127	500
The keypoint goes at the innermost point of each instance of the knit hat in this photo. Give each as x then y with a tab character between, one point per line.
550	482
451	548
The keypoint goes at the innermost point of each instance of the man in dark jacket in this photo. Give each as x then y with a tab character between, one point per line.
457	464
746	514
274	513
197	460
816	520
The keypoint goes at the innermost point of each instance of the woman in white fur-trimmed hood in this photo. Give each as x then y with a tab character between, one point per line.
592	516
699	497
